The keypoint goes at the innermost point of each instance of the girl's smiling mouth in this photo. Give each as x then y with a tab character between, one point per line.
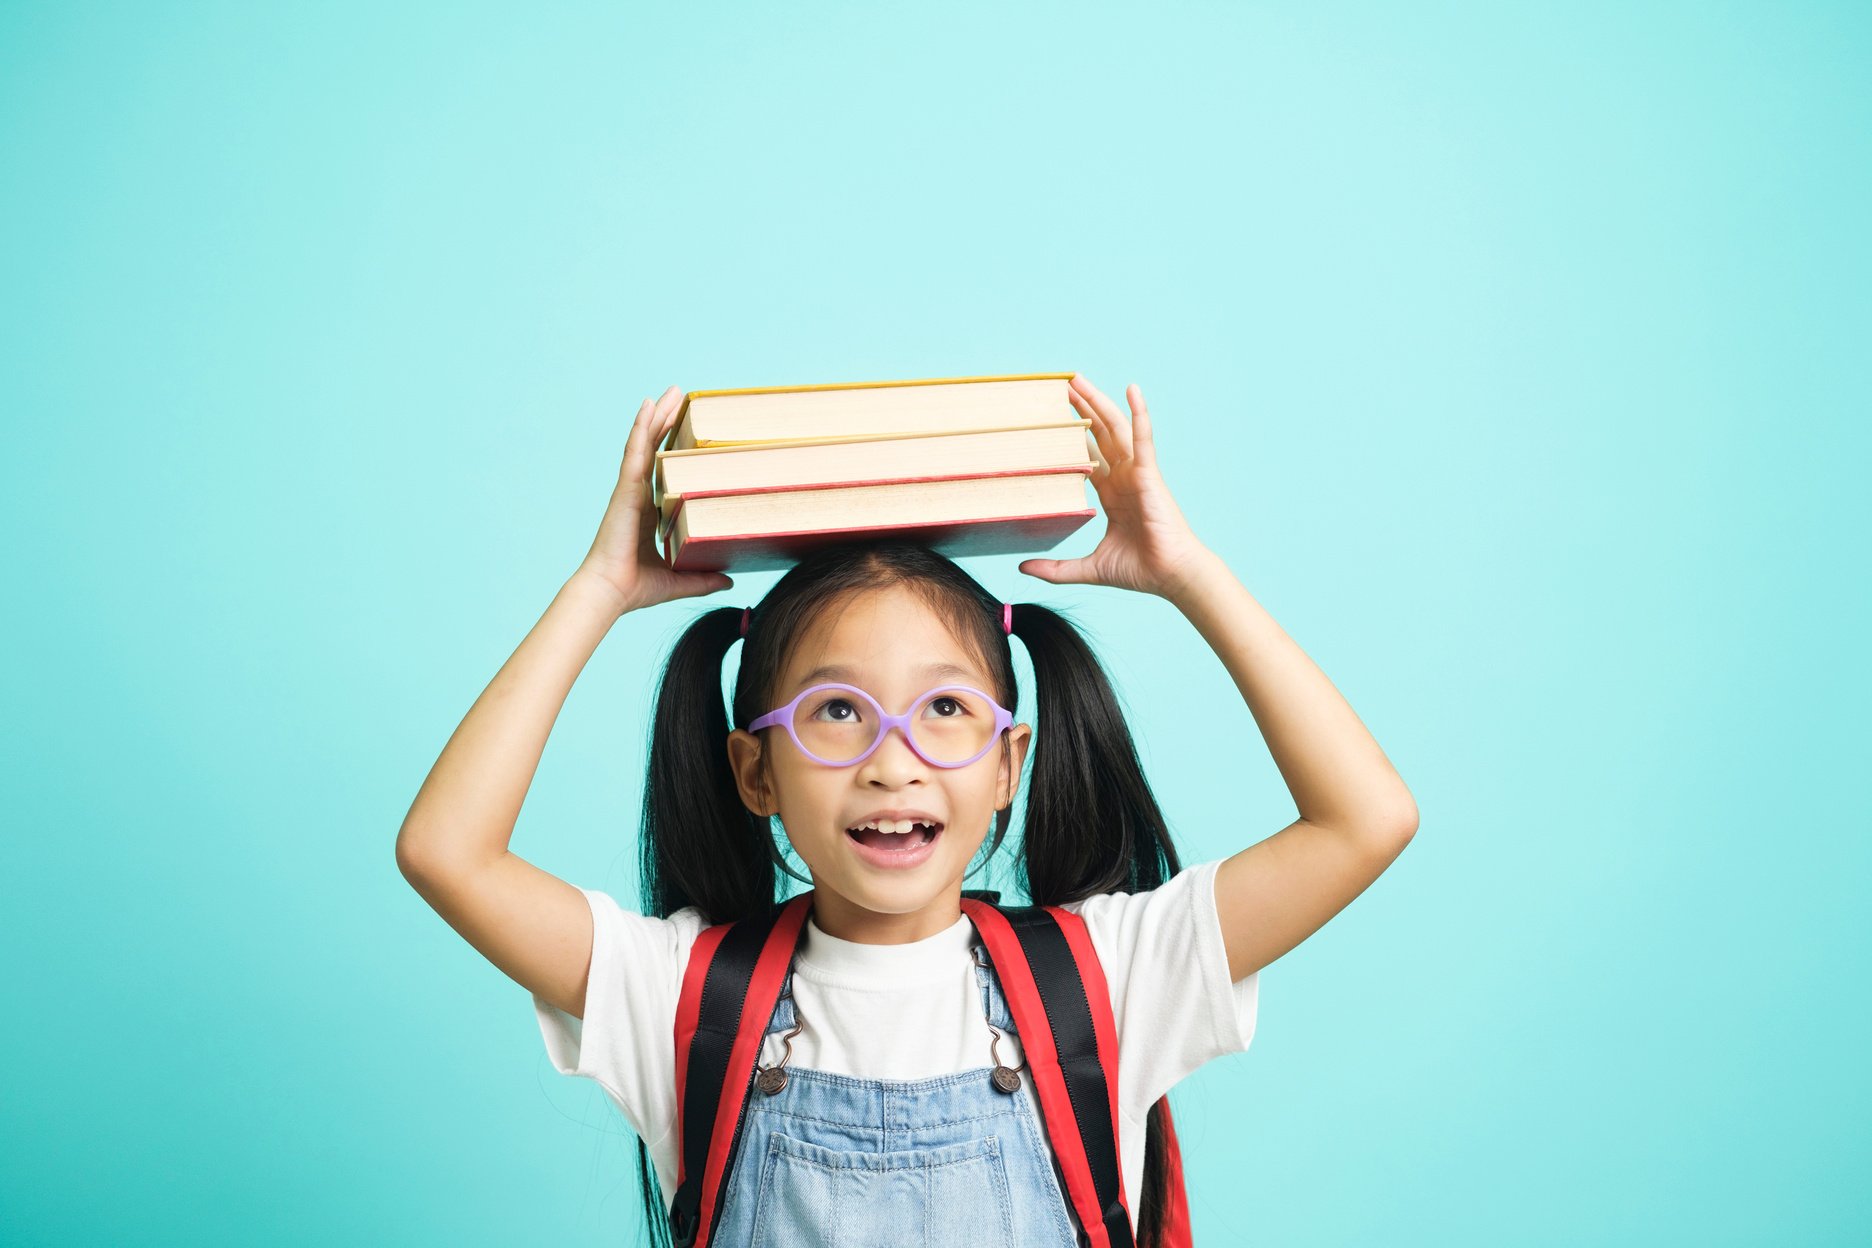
895	843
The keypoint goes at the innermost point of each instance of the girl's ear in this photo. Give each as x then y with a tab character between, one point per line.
744	759
1007	777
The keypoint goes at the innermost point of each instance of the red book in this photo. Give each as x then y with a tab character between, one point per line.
768	529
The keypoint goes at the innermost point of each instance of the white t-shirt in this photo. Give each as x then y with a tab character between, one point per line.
911	1011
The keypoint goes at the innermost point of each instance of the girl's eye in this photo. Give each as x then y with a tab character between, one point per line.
949	701
845	703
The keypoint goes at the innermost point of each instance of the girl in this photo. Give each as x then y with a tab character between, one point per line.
885	1128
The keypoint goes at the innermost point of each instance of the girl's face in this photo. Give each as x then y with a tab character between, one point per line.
884	641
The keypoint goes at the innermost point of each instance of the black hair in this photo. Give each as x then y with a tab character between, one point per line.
1092	823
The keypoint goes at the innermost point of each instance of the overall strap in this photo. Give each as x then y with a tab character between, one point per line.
728	992
1057	994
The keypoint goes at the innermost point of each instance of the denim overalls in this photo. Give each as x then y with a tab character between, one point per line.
943	1162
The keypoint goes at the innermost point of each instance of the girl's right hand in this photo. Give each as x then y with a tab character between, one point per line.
623	557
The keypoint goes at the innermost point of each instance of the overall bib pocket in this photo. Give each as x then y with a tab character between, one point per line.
953	1196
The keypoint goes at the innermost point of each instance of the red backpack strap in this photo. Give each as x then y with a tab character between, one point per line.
729	989
1056	991
1176	1223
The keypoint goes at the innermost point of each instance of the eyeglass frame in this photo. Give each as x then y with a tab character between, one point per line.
782	717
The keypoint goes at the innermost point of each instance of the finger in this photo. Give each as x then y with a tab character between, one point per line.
648	528
669	408
1101	452
649	518
638	430
1055	571
1104	444
647	507
662	416
652	423
1141	425
695	584
1114	420
668	404
633	483
1120	427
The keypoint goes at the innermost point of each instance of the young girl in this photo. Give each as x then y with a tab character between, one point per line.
886	1129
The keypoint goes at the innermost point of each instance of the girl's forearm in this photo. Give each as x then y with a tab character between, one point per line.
1338	775
464	814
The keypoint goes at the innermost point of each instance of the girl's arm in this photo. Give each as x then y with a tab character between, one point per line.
1356	816
452	847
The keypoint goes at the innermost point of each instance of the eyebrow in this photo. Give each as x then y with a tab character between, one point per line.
839	671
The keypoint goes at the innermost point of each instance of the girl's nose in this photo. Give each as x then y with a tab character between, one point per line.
894	758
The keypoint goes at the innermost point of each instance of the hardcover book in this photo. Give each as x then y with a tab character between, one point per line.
759	530
862	409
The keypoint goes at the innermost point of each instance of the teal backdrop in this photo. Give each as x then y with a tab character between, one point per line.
1513	355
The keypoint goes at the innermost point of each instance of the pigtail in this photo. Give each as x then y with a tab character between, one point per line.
1093	824
701	846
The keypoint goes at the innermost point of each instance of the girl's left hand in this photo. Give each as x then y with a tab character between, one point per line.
1147	546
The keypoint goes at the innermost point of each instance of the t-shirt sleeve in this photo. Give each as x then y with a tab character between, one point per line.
1166	967
626	1041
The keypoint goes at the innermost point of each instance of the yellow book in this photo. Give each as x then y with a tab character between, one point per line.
869	408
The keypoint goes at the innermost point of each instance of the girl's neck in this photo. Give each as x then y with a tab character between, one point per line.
835	916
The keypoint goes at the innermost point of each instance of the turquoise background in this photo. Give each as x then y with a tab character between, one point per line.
1513	355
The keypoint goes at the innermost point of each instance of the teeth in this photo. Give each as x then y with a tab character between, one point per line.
896	827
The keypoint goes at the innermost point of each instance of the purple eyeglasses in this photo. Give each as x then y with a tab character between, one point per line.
783	718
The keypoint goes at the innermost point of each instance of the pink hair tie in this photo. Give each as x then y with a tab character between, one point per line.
1007	617
744	619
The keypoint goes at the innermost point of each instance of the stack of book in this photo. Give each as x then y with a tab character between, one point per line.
751	480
